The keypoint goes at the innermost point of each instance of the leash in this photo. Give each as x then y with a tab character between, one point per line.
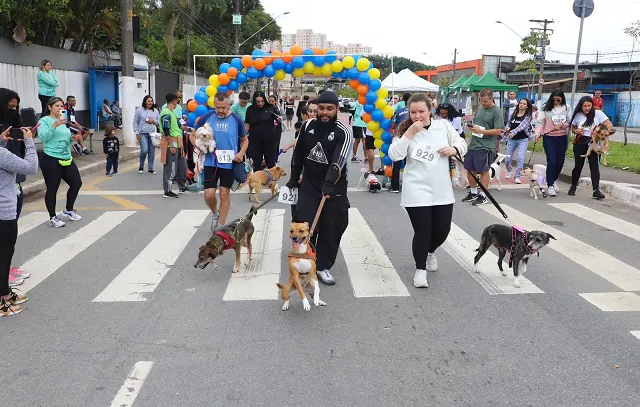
315	220
533	150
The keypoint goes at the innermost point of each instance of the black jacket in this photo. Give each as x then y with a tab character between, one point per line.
111	145
323	156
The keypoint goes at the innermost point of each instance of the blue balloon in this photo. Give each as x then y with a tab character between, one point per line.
224	67
335	74
237	63
364	78
203	89
288	68
268	71
403	164
257	53
385	149
386	160
375	84
201	98
252	73
387	137
331	56
241	78
369	108
278	64
376	115
307	54
297	62
371	98
344	74
202	109
191	119
353	73
385	124
318	60
223	88
356	57
233	85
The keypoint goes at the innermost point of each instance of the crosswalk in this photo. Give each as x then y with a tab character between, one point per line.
373	270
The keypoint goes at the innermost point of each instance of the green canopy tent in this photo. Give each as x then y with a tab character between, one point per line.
491	82
465	85
457	83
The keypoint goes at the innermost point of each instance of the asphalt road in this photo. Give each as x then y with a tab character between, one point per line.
118	316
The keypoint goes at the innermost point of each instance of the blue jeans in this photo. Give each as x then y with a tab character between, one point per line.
146	148
521	147
555	147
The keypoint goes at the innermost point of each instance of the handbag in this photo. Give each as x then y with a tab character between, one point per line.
155	139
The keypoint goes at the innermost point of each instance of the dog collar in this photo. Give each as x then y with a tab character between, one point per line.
229	241
309	254
269	176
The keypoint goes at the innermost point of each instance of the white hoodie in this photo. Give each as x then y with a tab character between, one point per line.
427	183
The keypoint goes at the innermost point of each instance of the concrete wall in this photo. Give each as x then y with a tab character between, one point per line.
624	106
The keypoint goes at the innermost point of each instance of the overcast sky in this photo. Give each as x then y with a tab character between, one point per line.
410	28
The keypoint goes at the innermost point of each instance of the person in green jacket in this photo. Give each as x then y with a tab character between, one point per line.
47	84
56	163
172	152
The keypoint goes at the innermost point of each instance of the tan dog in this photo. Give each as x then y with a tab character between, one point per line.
599	143
302	268
268	176
536	181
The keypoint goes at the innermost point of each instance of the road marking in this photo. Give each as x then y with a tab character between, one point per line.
257	281
636	334
31	220
370	270
461	246
608	267
51	259
146	271
601	219
616	301
125	203
159	192
132	385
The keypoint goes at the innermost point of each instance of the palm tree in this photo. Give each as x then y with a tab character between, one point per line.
94	24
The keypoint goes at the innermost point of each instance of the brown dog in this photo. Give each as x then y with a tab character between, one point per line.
599	143
268	176
302	268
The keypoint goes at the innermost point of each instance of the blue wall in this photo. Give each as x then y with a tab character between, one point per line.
102	85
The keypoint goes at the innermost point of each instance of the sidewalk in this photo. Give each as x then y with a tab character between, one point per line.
633	135
87	164
615	183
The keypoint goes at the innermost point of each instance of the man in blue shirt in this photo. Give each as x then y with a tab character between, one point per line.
400	115
231	145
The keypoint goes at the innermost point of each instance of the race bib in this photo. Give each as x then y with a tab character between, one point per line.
288	196
479	135
225	156
558	119
426	154
72	118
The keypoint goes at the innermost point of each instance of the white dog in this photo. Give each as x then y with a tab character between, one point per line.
536	181
204	144
494	170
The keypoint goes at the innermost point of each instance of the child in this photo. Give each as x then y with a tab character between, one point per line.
111	147
297	126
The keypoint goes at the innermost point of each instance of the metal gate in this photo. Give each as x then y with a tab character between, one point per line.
165	82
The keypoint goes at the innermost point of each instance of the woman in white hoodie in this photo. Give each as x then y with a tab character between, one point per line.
427	193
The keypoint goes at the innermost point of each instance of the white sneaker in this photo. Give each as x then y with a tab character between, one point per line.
551	191
517	181
420	279
555	186
432	263
71	215
56	223
508	175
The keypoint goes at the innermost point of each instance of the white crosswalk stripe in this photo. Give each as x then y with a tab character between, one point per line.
31	220
601	219
132	385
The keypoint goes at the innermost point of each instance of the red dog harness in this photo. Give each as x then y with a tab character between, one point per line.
525	237
229	241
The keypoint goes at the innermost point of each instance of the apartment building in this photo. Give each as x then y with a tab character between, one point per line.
306	38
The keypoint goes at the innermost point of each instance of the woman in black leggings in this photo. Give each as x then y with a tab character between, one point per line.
427	193
57	164
261	122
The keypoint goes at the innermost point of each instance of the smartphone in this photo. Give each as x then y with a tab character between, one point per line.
34	128
16	133
470	123
63	114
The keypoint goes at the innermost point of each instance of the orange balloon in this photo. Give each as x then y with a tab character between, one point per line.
259	64
232	72
388	171
353	83
276	54
361	89
224	79
247	61
325	50
367	116
287	57
362	100
268	60
296	50
317	51
192	105
230	92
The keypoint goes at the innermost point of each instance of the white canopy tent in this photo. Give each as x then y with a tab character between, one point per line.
408	81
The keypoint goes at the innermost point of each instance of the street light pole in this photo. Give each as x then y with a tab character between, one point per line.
500	22
575	68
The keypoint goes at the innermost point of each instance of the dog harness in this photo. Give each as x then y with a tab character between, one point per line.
229	241
309	254
525	237
269	176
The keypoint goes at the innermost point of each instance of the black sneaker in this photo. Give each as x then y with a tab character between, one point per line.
170	194
572	190
480	200
598	195
140	170
470	197
150	172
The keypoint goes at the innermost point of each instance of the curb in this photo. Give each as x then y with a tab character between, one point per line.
628	193
39	186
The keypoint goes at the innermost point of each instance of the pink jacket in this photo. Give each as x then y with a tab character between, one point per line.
545	123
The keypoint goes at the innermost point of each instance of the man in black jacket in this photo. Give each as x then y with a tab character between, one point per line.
321	155
301	104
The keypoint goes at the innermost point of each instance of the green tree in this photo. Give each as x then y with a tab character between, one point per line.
43	20
634	32
383	63
347	92
529	46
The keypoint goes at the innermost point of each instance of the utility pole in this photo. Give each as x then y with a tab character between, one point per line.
128	83
455	54
237	29
188	37
544	42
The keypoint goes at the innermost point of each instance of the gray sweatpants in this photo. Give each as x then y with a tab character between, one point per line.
175	168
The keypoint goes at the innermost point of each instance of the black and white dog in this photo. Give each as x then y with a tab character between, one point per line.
520	243
494	170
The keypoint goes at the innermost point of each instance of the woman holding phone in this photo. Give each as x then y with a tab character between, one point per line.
57	163
10	166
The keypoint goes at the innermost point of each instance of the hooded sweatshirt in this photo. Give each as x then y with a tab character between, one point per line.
10	165
547	120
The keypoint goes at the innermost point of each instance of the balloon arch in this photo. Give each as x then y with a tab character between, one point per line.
362	76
